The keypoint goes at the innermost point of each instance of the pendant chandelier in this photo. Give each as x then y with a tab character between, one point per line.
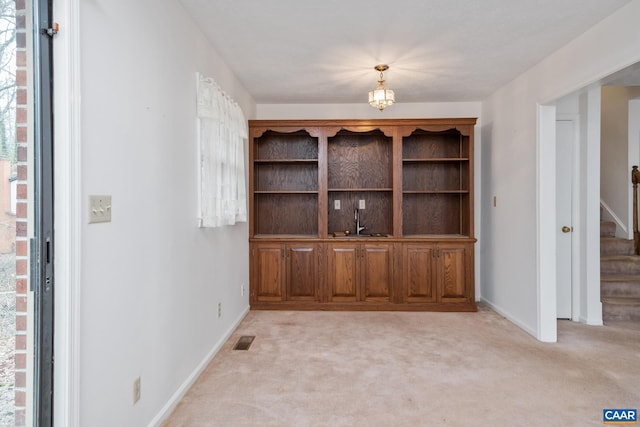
381	97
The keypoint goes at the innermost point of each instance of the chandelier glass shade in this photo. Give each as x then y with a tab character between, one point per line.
381	97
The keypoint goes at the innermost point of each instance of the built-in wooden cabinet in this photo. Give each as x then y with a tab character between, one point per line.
285	178
360	272
436	181
408	183
360	168
437	272
419	273
285	272
453	274
267	272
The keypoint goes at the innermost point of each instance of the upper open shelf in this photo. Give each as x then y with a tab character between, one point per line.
414	177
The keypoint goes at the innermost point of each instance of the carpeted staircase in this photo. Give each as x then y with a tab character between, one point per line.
619	276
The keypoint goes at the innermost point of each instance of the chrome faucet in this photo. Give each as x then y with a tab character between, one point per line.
356	215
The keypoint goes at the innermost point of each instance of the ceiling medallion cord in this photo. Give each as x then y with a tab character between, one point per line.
381	97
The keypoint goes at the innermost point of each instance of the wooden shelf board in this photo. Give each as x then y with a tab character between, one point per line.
438	237
338	190
286	236
285	160
436	159
407	238
435	191
285	192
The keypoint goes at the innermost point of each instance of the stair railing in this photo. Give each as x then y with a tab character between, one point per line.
635	180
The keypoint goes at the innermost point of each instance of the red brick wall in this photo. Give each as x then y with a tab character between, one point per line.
22	261
7	219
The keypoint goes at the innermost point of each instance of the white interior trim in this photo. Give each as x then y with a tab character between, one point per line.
576	220
509	316
199	162
591	311
168	408
546	221
68	213
611	215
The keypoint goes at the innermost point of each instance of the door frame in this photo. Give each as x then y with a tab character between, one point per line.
575	217
69	213
547	330
589	307
42	245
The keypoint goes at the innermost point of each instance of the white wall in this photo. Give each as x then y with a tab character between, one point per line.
400	110
615	160
365	111
511	247
150	280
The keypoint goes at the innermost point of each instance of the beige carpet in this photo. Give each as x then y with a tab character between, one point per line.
413	369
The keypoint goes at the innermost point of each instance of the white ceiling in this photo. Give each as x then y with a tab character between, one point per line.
303	51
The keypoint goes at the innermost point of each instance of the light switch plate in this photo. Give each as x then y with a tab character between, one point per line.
336	205
99	209
361	204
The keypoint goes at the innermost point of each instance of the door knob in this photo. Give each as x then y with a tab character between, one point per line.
566	229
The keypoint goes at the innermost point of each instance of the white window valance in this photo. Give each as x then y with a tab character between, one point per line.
222	131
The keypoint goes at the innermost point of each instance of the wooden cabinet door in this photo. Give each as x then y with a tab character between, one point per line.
268	272
454	269
343	273
302	272
376	272
418	273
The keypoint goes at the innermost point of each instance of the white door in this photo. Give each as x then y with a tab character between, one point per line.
564	180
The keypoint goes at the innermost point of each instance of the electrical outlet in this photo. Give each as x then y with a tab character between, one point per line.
99	209
136	390
362	205
336	205
219	310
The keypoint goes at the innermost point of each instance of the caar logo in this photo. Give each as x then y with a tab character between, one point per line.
620	416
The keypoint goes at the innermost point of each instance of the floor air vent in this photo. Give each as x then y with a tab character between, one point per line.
244	342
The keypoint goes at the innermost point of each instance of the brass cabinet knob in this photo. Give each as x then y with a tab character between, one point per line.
566	229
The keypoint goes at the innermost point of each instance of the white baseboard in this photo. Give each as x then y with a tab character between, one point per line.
168	408
595	319
591	322
609	214
510	317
